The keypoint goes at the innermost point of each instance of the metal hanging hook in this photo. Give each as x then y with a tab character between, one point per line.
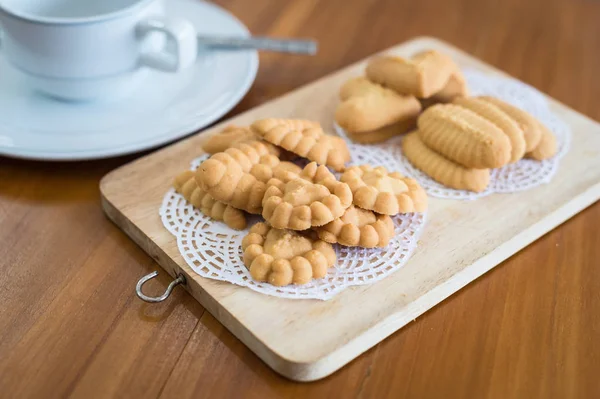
138	288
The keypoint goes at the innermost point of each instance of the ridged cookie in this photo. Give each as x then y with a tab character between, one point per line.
185	184
529	125
388	193
283	257
464	137
547	146
424	75
226	138
499	118
367	106
299	202
358	228
443	170
238	175
304	138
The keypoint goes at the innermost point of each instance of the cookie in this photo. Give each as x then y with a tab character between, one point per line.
547	146
361	86
358	228
424	75
367	106
442	170
238	175
283	257
312	173
337	145
185	184
226	138
304	138
499	118
384	133
455	88
464	137
528	124
383	192
313	198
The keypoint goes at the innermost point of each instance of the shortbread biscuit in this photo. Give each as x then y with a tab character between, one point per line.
304	138
185	184
443	170
529	125
313	198
424	75
312	173
464	137
226	138
238	175
383	192
499	118
367	106
384	133
358	228
283	257
455	88
361	86
546	148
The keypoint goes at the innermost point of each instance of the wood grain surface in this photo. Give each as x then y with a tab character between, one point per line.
70	324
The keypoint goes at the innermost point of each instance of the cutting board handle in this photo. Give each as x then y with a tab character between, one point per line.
138	288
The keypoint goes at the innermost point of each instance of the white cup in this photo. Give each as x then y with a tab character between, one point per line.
87	49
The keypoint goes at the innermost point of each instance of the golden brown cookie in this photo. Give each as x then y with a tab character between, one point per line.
299	202
443	170
283	257
384	133
499	118
304	138
528	124
238	175
338	146
455	88
226	138
312	173
185	184
361	86
424	75
547	146
384	192
358	228
367	106
464	137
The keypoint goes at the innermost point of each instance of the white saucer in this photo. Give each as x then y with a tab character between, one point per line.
165	107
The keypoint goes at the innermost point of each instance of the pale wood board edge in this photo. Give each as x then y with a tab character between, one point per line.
306	372
281	365
454	284
344	354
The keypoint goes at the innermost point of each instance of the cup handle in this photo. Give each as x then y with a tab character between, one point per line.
180	33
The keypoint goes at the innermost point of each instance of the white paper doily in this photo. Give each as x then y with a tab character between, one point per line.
213	250
522	175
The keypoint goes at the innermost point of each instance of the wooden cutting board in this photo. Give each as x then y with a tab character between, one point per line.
308	339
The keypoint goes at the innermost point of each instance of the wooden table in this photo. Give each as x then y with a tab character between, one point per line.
70	323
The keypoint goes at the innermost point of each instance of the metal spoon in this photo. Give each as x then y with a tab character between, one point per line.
294	46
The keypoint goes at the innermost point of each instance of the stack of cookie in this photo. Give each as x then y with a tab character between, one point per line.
459	138
306	209
457	144
389	99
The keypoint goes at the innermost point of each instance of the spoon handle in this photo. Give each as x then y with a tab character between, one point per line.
293	46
